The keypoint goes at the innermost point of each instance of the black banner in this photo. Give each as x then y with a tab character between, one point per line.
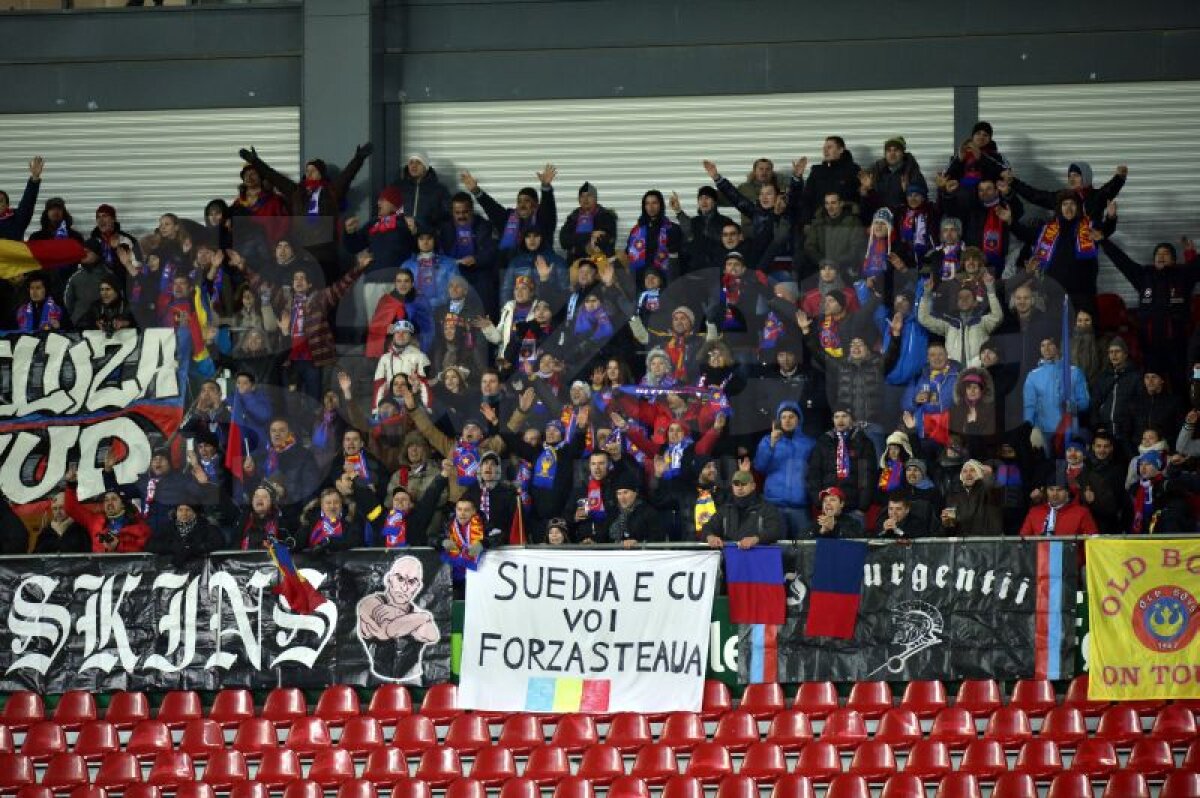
119	622
1002	609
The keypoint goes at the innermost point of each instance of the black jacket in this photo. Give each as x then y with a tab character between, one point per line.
575	244
545	217
202	540
639	523
13	227
702	240
425	200
841	177
1091	200
846	526
503	504
549	501
1114	397
74	540
742	518
14	537
978	514
822	469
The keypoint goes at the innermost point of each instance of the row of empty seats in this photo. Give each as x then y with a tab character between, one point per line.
1180	784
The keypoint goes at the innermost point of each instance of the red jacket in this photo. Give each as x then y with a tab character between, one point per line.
133	535
1073	519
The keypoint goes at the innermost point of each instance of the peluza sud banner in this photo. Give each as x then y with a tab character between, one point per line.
1142	606
571	631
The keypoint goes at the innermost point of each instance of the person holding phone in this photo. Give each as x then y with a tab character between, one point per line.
117	527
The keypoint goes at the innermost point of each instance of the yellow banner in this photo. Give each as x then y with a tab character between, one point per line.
1144	618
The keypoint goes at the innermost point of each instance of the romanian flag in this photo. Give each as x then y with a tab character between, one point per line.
566	694
754	577
835	590
301	596
1068	425
22	257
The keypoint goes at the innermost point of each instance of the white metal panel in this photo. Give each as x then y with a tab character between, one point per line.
628	146
1151	127
143	163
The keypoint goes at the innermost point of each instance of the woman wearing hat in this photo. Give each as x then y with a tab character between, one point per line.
263	520
973	415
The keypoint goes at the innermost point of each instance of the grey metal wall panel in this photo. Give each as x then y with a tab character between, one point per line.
627	146
144	164
1151	127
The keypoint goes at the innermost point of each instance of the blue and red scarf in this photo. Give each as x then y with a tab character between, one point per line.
994	236
512	232
325	530
1085	247
875	262
637	247
585	223
395	530
522	480
47	317
546	467
674	457
914	230
466	463
386	224
464	242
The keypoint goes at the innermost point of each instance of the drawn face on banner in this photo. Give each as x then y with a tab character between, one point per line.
393	629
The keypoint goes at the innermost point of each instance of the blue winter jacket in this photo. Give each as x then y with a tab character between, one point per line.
786	463
1043	395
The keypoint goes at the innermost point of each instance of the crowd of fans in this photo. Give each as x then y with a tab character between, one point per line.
843	350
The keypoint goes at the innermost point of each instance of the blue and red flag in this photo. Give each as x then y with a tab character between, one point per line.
835	589
301	596
1068	425
754	578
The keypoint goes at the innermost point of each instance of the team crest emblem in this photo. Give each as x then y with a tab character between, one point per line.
1165	618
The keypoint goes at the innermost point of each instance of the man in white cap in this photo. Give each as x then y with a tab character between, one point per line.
426	200
402	357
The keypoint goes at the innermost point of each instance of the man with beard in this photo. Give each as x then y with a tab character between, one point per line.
393	629
467	238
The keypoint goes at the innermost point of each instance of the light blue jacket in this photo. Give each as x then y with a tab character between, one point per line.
1043	395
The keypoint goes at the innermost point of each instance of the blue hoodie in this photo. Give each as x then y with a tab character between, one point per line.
914	341
786	463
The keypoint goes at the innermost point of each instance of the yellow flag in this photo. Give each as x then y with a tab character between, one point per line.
1144	618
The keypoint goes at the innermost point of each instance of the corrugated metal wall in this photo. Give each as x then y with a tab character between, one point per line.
143	163
627	146
1151	127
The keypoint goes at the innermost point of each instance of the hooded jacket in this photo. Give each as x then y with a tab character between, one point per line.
1044	398
1091	200
1116	395
964	333
425	200
980	434
785	465
822	468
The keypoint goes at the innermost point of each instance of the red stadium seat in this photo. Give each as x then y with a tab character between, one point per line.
1096	758
140	789
870	699
848	785
356	788
117	771
1010	727
42	791
1077	696
953	726
439	767
225	769
1035	696
308	735
572	787
710	763
284	706
1191	760
819	761
1181	784
178	707
1126	785
1120	725
195	789
903	785
1151	758
331	767
739	786
683	731
409	787
16	771
441	703
171	769
1065	726
816	699
928	759
389	703
248	789
628	787
683	787
763	700
385	765
547	764
278	767
149	739
764	762
844	728
493	766
602	764
97	740
127	709
1070	785
1015	785
22	709
522	788
65	772
655	763
1111	313
303	788
6	740
926	698
984	759
1175	724
978	696
337	704
899	727
958	785
793	785
738	730
465	788
791	730
201	738
628	732
75	708
874	761
575	733
415	734
255	736
522	733
44	739
1040	759
361	735
231	706
717	700
468	733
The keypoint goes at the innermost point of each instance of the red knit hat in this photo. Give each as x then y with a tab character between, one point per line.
392	195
